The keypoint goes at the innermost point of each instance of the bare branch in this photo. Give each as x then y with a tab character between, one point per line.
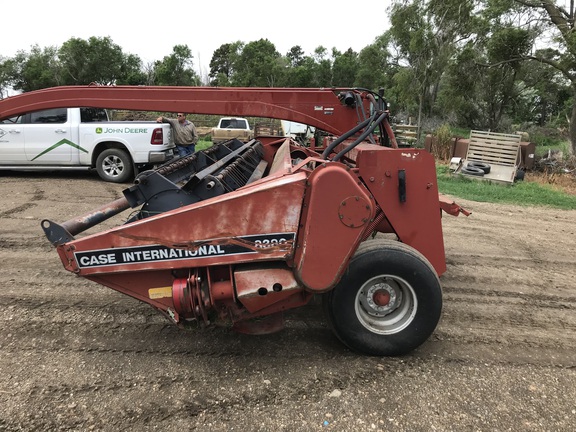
565	71
548	5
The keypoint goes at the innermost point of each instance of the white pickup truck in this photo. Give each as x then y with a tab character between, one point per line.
83	138
232	127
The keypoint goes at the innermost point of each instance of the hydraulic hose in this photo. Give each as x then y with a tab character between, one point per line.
347	135
361	138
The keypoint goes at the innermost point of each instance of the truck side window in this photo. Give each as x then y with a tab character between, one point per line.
89	115
12	120
56	115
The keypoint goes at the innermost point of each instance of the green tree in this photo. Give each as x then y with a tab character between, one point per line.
424	37
546	93
374	68
177	69
481	87
300	73
97	60
259	65
556	29
35	70
77	62
506	43
492	76
6	76
296	56
132	71
310	71
222	64
344	68
322	69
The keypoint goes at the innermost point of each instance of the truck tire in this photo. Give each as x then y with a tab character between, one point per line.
115	165
388	302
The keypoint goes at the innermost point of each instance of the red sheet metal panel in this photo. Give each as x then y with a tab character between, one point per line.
260	287
338	210
416	219
256	223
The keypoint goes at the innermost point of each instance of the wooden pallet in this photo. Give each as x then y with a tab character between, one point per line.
500	151
494	148
406	135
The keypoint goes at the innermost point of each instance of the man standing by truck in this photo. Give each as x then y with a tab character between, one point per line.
185	135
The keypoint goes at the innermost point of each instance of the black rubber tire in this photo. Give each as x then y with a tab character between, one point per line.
473	171
409	318
483	166
519	175
115	165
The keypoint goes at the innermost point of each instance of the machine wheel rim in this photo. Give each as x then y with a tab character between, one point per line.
113	166
386	304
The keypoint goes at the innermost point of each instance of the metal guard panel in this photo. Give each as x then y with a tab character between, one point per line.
416	218
331	233
256	223
261	287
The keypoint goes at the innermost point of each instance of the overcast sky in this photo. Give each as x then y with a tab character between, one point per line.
151	29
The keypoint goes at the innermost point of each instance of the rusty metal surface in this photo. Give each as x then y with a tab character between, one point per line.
416	221
261	287
451	207
321	108
190	300
203	230
325	242
82	223
355	211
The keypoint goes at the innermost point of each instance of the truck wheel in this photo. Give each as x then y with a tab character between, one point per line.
115	165
388	302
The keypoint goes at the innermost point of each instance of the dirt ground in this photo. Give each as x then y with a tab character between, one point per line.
78	356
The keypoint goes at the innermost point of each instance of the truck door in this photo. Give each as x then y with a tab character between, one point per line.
48	138
12	141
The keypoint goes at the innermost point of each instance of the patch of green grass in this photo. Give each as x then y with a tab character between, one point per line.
519	193
542	149
459	132
203	144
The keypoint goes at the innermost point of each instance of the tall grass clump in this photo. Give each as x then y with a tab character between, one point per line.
442	143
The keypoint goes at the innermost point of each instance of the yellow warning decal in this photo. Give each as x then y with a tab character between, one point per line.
156	293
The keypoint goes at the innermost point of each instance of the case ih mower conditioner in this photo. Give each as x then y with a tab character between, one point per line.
242	232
